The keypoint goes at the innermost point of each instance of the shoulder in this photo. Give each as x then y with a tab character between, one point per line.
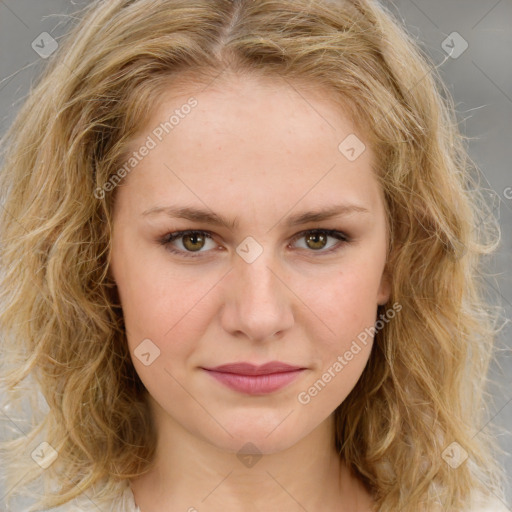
122	500
481	503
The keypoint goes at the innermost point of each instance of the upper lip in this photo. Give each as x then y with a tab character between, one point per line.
243	368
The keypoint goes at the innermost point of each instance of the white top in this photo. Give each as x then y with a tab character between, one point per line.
125	502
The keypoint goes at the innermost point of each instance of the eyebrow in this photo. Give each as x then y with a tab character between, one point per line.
209	217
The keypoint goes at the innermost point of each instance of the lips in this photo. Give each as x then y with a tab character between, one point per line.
250	369
255	380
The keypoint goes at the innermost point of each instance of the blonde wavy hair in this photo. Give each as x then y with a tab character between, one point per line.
424	386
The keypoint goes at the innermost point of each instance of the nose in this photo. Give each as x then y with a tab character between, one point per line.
258	304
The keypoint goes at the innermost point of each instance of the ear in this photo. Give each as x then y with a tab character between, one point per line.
110	267
384	291
110	274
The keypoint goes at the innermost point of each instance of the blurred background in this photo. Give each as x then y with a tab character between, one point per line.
477	37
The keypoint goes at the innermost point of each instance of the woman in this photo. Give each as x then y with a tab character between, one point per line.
240	256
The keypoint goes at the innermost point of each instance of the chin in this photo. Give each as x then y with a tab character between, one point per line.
253	444
253	436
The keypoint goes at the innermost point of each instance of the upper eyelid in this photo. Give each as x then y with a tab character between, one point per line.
329	231
183	232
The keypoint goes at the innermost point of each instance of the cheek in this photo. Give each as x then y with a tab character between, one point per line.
140	293
344	310
164	322
344	302
172	311
151	294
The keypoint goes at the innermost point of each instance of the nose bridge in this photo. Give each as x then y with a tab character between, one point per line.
254	267
259	282
259	305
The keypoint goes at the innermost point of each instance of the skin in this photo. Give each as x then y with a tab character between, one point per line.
258	151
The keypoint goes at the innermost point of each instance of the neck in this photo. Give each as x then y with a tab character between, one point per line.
188	473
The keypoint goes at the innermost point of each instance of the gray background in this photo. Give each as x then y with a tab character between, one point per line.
480	80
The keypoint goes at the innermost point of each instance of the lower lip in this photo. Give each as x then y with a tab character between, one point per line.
255	384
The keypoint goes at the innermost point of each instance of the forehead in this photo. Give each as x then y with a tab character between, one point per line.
234	104
248	138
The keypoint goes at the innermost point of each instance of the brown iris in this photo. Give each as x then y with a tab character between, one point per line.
316	238
196	241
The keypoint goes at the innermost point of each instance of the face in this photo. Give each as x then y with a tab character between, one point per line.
264	286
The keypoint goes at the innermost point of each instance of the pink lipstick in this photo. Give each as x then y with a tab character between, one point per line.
255	380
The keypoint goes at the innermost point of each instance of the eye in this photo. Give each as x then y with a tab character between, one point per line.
193	241
316	239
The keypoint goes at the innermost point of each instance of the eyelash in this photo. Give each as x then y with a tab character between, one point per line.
167	239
